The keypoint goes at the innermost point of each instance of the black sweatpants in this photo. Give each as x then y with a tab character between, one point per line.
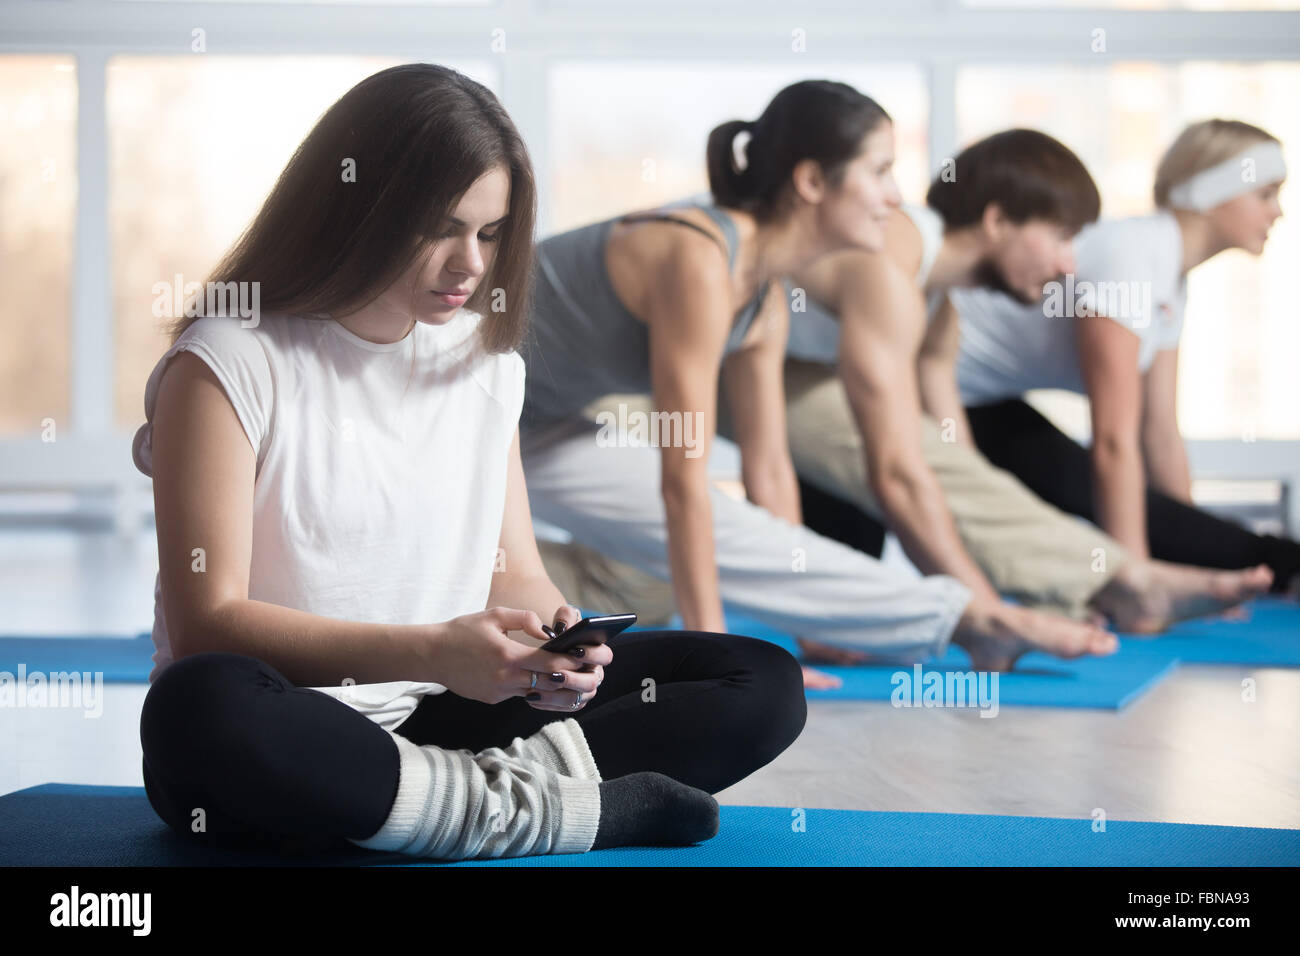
1016	437
273	765
840	520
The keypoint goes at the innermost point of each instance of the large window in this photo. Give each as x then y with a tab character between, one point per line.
129	158
195	145
625	136
1241	338
38	193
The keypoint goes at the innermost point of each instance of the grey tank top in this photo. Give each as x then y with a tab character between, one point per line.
582	343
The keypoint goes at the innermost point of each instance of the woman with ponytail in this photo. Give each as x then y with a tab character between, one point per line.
674	303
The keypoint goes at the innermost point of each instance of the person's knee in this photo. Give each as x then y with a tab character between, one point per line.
790	702
158	798
197	679
777	707
194	695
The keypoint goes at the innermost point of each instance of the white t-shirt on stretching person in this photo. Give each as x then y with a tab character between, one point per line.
376	499
1008	348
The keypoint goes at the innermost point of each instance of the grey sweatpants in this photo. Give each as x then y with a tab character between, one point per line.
790	578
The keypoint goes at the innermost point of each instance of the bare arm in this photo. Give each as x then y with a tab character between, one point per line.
754	379
883	321
1108	360
936	370
520	580
1162	441
688	318
204	470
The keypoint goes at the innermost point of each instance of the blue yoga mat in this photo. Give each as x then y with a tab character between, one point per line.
1039	680
1269	636
70	825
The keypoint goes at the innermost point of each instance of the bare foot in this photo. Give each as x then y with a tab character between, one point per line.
815	653
997	634
1145	597
817	680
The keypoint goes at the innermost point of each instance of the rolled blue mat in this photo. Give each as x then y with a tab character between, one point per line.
72	825
119	659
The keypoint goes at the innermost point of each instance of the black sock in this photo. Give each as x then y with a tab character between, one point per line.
651	809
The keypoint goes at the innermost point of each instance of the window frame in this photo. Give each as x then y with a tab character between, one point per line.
939	35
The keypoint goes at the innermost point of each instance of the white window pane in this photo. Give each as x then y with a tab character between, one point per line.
38	193
630	135
196	143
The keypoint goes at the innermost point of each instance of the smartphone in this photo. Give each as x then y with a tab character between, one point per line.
590	630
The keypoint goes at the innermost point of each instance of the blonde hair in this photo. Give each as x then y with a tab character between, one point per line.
1202	146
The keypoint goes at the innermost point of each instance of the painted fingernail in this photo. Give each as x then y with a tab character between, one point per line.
578	651
557	677
548	632
533	695
559	627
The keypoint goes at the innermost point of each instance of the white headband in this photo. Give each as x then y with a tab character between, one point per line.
1257	166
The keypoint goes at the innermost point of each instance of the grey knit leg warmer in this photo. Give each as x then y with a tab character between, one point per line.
516	801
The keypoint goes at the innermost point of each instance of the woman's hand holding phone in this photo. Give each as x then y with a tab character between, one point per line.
566	617
473	657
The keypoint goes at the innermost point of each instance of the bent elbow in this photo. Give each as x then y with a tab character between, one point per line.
1114	445
680	491
895	486
196	632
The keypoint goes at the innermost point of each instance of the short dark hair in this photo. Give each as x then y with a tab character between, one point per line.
1028	174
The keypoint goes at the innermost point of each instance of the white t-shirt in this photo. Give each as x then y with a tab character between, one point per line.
375	500
815	332
1129	269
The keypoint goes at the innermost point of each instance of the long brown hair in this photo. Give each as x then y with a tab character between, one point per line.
419	135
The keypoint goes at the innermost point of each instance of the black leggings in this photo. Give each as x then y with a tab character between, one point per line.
272	764
840	520
1015	437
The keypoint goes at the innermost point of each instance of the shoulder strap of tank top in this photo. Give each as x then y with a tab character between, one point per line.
726	225
727	247
729	230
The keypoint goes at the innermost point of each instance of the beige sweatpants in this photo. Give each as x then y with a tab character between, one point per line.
1028	549
597	582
